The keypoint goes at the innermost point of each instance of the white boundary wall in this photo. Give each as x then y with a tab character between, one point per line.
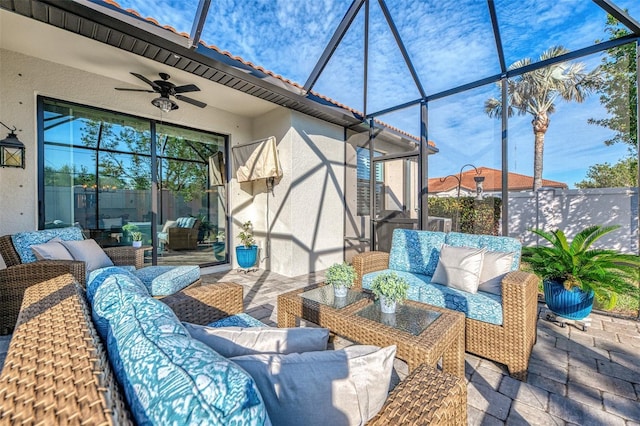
573	210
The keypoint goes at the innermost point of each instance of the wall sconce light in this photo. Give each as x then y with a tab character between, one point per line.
11	150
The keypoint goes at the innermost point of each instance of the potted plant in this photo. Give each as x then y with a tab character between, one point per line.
573	274
220	236
390	289
136	237
341	277
129	229
247	253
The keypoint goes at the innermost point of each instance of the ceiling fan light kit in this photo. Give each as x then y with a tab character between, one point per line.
165	104
165	88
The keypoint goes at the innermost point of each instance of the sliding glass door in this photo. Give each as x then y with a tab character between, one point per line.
101	171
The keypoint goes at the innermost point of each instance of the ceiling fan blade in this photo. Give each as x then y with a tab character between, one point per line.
146	80
134	90
186	88
191	101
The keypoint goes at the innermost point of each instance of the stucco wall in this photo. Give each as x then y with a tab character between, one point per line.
299	225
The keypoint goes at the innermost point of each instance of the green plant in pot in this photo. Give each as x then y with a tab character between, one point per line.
247	252
136	237
129	229
341	277
573	273
390	289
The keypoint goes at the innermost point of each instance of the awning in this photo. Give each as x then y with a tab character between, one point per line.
257	160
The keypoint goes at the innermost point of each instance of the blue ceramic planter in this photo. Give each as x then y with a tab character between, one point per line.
572	304
247	256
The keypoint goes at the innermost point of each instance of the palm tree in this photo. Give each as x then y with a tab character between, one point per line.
536	92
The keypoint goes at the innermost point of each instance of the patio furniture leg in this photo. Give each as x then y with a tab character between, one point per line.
286	319
453	357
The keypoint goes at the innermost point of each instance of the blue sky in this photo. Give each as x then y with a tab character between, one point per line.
449	45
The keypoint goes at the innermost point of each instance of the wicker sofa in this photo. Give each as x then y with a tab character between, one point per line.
57	370
18	275
415	254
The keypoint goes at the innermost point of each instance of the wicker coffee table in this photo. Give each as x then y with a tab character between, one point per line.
423	334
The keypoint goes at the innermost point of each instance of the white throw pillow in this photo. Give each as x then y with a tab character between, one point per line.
169	224
495	266
459	268
89	252
343	387
51	250
238	341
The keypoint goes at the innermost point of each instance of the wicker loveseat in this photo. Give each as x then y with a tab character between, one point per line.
18	274
57	370
500	327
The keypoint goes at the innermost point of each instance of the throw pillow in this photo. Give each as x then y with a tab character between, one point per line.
52	250
238	341
459	268
343	387
495	266
89	252
169	224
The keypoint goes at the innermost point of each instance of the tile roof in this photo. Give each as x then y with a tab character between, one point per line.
492	181
261	69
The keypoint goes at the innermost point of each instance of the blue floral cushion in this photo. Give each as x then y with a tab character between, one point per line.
22	241
480	306
110	292
415	251
166	280
490	242
171	379
239	320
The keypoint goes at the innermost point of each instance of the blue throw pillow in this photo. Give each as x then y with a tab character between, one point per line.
171	379
109	293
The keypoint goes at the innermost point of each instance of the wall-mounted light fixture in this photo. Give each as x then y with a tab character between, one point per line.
11	149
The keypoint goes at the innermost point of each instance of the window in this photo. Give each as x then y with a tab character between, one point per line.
363	173
98	175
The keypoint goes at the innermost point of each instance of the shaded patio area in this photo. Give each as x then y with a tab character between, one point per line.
575	377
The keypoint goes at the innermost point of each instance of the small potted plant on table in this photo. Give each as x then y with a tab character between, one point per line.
136	238
573	274
341	277
390	289
247	253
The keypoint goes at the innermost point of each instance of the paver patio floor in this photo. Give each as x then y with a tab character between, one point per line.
575	377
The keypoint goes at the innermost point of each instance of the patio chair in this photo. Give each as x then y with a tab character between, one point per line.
19	275
183	235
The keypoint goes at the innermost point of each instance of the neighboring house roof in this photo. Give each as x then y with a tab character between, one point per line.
492	181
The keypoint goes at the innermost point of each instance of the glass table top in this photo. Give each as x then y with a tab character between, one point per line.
410	319
325	296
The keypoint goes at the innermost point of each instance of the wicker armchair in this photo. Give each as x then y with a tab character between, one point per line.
510	343
55	331
184	238
18	276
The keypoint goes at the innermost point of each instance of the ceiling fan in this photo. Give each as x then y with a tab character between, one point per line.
165	88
